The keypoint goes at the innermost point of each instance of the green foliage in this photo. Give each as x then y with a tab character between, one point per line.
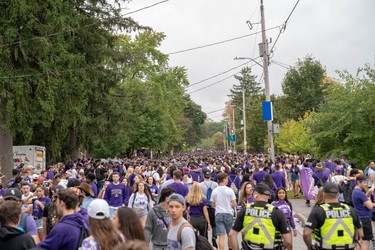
256	128
218	140
295	137
346	120
68	82
303	88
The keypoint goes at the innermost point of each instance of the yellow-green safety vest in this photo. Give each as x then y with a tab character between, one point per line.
259	230
338	228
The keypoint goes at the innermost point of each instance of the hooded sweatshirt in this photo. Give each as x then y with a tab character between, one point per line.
65	235
13	238
155	229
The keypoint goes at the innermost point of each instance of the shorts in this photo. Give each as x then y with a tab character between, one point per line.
224	223
367	228
39	224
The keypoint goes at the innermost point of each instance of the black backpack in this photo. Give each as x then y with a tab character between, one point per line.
201	242
347	190
83	235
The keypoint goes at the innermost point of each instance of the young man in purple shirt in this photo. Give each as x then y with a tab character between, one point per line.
177	185
278	177
364	207
115	194
258	176
65	235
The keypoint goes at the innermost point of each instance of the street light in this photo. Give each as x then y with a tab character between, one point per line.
244	120
271	149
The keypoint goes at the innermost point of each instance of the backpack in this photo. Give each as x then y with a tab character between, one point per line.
320	182
201	242
365	172
209	193
233	186
347	190
83	235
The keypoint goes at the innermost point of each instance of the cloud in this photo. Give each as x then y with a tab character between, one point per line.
340	34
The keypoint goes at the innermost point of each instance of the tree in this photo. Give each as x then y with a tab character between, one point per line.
196	116
218	140
295	137
345	122
256	128
303	88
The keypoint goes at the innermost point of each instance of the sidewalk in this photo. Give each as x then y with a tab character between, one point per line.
300	210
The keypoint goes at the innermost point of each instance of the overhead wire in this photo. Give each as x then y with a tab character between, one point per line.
77	28
217	43
144	8
214	83
207	113
283	27
222	73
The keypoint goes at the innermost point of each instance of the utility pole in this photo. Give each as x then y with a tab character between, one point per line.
271	149
233	133
244	121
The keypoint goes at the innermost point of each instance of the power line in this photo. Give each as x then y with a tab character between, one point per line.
284	65
214	111
217	43
284	26
226	78
222	73
147	7
74	29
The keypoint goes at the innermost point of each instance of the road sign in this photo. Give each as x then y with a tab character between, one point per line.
267	111
234	137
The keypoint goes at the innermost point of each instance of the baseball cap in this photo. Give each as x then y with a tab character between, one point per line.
176	197
262	188
206	172
35	176
68	172
13	193
98	209
330	188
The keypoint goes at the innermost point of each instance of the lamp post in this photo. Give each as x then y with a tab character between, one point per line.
243	109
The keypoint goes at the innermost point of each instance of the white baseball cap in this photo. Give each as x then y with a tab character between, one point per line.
98	209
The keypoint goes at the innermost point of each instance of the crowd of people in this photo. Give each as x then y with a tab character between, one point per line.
173	203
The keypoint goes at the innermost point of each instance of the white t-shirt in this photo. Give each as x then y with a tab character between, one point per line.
208	184
371	172
223	197
187	237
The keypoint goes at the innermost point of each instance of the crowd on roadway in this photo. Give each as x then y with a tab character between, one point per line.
190	201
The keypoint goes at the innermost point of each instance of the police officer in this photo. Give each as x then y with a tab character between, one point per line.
333	225
264	226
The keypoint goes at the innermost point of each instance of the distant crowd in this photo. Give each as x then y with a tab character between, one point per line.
174	202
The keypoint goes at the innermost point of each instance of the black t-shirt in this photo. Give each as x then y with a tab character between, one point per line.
317	217
277	217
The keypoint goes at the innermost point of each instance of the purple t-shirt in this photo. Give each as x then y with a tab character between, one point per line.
50	175
279	179
95	189
37	211
358	198
179	188
286	209
258	176
197	210
195	175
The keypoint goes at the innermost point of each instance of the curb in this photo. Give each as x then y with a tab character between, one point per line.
300	218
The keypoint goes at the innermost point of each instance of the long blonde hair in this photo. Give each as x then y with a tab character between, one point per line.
195	195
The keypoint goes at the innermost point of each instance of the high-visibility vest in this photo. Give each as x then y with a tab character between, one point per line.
259	231
338	228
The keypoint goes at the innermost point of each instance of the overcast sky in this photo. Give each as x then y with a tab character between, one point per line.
340	34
